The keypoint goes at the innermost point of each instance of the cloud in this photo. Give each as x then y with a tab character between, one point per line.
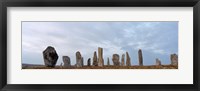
157	38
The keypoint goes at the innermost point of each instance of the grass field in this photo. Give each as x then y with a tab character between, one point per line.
104	67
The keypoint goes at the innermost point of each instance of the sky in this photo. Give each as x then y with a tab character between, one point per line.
155	39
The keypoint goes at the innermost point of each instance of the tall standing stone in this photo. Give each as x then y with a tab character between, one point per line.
158	62
115	60
108	62
100	57
50	56
82	61
88	62
140	58
79	59
66	61
174	59
95	63
122	60
128	59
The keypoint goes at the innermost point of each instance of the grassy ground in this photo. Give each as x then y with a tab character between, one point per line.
105	67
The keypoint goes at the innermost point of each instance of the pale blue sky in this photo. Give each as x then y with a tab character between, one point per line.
156	39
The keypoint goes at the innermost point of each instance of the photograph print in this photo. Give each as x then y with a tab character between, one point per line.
99	45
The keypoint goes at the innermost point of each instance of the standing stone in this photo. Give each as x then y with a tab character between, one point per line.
88	62
115	60
140	58
82	61
158	62
174	59
95	63
122	60
100	57
128	60
108	62
50	56
79	59
66	61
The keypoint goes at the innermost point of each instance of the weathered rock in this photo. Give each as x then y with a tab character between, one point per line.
174	59
140	58
66	61
108	62
122	60
95	63
82	61
100	57
50	56
128	59
158	62
88	62
79	59
115	60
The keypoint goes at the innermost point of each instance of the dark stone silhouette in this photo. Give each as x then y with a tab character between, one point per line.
95	63
158	62
128	59
108	62
79	59
140	58
100	57
50	56
82	61
66	61
122	61
174	59
89	62
115	60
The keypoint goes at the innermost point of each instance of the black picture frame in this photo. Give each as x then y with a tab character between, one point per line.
99	3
